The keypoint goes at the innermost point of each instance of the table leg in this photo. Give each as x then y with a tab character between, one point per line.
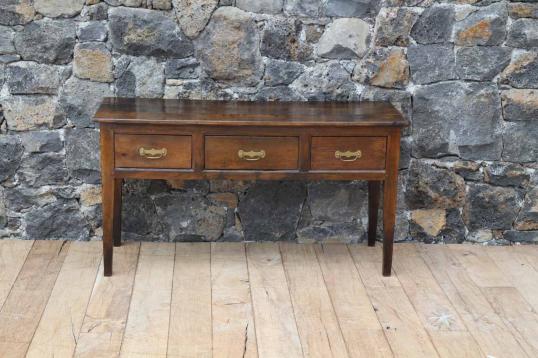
116	225
390	193
110	197
374	188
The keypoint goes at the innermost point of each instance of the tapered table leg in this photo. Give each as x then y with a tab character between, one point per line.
109	196
373	208
390	192
116	225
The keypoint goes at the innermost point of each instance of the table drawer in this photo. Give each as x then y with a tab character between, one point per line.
348	153
257	153
152	151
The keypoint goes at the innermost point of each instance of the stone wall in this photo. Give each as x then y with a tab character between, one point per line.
465	72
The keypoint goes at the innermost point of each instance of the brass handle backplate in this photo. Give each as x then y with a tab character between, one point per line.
251	155
152	153
348	156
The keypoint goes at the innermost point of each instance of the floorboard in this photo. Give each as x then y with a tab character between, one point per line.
492	335
276	329
59	327
227	300
318	327
22	310
105	319
190	317
234	334
146	333
403	328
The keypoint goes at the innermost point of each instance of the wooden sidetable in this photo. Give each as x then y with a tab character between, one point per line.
184	139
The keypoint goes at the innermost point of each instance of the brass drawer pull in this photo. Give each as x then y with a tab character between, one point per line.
348	156
152	153
251	154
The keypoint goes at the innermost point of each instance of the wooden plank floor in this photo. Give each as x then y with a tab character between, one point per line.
267	300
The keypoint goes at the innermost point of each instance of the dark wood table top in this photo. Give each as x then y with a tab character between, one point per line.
243	113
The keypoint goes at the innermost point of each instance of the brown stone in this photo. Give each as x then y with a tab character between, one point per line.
93	62
432	221
90	195
393	71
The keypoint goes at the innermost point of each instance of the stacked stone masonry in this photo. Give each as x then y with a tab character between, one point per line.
465	73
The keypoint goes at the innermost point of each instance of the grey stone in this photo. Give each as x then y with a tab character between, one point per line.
193	15
93	61
3	213
10	160
399	99
9	58
522	71
6	40
434	25
345	38
261	6
523	33
43	169
281	38
490	207
431	63
187	68
97	12
30	112
59	8
468	170
331	232
520	142
271	210
144	77
139	215
228	48
308	8
506	174
527	218
78	109
144	32
197	89
41	141
337	201
523	237
278	93
33	78
520	104
457	118
16	12
188	217
58	220
327	81
384	68
352	8
431	187
279	72
481	63
20	199
47	41
82	154
485	26
92	31
394	26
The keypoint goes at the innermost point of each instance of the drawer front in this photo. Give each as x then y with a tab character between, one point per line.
348	153
255	153
152	151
